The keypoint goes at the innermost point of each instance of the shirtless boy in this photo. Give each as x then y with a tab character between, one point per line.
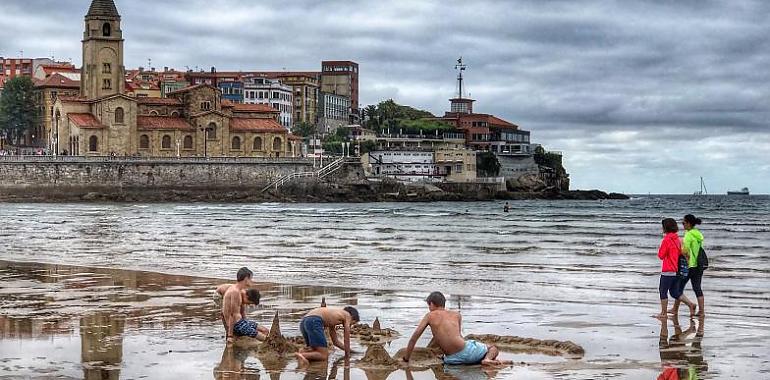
446	327
312	327
234	302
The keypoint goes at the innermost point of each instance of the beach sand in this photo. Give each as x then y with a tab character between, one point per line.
69	322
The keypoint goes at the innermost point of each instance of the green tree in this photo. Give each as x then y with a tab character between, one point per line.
304	129
19	112
487	164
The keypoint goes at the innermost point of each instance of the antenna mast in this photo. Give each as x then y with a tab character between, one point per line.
460	67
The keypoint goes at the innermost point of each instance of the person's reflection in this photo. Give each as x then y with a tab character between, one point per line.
334	371
101	346
273	365
231	367
679	360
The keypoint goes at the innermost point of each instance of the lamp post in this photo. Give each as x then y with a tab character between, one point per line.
205	131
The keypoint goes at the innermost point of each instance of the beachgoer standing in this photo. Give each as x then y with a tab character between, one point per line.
693	241
669	252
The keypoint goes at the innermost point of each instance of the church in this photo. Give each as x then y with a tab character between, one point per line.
192	122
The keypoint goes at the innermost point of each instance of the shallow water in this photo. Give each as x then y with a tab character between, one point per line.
580	271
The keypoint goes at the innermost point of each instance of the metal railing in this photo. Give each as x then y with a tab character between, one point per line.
324	172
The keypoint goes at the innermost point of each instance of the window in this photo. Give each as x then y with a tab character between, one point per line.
188	142
277	144
54	94
211	131
106	68
144	142
119	116
153	113
236	144
174	114
93	144
257	143
106	29
205	106
165	142
106	84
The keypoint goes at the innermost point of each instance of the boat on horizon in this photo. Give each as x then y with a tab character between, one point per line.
744	191
702	190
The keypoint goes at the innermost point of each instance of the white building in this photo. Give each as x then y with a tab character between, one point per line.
404	165
334	112
258	90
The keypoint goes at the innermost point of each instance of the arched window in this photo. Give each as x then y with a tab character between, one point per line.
165	143
93	144
144	142
119	115
174	114
107	29
257	143
277	144
153	113
211	131
188	142
236	145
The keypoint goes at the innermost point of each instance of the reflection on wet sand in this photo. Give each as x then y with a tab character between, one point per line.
101	342
680	355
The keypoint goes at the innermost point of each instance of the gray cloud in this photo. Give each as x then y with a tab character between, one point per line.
637	89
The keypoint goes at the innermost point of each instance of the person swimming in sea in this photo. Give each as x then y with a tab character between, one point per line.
446	326
507	207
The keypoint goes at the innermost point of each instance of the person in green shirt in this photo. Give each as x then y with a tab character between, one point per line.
691	245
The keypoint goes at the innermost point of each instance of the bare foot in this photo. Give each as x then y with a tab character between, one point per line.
662	317
672	311
700	314
301	361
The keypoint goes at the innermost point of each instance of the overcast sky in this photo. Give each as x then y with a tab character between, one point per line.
641	96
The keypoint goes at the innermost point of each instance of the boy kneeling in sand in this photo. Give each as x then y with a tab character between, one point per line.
234	302
446	327
312	329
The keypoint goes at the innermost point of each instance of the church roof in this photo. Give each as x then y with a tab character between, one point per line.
261	108
103	8
238	124
57	80
85	121
162	123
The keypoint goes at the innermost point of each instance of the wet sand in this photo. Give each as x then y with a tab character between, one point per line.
69	322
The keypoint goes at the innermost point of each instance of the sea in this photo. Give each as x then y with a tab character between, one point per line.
585	271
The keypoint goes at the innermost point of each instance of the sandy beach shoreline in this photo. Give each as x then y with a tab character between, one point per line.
117	323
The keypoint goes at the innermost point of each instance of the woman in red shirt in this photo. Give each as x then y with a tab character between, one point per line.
669	252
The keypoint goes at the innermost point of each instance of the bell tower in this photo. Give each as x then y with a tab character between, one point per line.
103	72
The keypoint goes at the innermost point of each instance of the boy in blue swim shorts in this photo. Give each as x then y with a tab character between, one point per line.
446	326
313	327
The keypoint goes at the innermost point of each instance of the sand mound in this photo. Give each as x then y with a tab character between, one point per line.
377	356
421	358
374	334
515	343
276	343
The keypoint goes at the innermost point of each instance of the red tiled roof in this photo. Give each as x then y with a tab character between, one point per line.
57	80
159	101
256	125
85	121
162	122
227	104
496	121
189	88
262	108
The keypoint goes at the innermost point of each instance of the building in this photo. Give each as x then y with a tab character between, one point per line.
442	157
334	112
341	78
65	69
260	90
230	83
171	80
143	83
193	121
305	88
47	91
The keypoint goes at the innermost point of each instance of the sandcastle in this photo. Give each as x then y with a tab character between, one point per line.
374	334
275	343
516	343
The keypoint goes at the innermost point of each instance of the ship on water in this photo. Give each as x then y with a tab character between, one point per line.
702	190
744	191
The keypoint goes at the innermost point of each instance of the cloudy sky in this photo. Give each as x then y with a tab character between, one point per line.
641	96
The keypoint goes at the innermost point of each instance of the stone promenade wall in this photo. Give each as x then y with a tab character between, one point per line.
94	175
